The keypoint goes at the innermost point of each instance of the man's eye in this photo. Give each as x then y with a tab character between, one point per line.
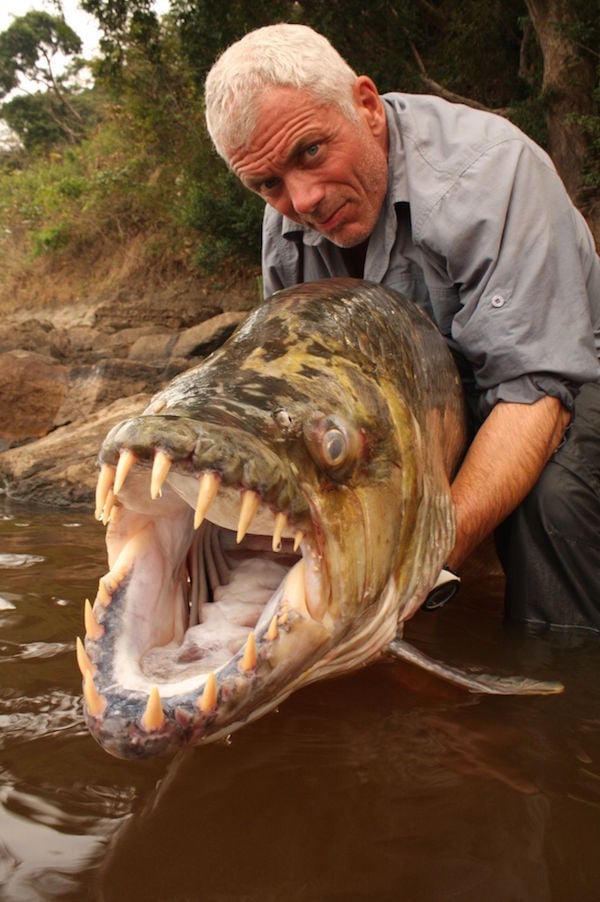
269	184
312	150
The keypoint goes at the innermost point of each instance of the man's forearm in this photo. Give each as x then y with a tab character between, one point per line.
501	466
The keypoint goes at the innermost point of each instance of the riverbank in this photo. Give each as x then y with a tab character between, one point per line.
72	367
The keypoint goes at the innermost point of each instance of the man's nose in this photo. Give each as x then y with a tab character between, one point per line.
305	192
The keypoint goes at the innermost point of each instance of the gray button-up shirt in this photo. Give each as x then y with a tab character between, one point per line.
476	228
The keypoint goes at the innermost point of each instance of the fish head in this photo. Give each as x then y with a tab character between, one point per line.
272	516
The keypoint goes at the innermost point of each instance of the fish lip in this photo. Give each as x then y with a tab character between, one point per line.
121	733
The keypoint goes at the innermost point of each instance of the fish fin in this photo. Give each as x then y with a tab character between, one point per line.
475	682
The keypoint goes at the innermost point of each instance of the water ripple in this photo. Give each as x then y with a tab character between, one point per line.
16	651
23	719
12	561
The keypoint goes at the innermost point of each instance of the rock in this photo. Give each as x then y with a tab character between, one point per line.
31	335
32	389
66	380
204	338
91	387
154	347
60	469
121	342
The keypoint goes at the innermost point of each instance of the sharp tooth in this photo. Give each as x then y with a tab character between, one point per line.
103	487
108	507
95	703
294	586
298	540
272	632
103	595
248	661
153	718
280	524
160	470
207	492
93	629
295	593
207	703
83	659
126	460
250	504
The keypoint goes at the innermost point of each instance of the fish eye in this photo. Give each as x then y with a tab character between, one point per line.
333	443
334	447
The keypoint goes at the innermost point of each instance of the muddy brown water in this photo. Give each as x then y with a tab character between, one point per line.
385	785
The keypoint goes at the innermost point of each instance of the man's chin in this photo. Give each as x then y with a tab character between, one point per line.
347	238
346	234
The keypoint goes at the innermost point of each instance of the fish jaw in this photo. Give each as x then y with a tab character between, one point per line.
166	666
192	633
272	516
211	668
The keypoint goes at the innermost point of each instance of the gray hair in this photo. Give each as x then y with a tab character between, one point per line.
281	55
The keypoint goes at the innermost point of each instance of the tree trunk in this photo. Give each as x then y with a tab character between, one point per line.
568	85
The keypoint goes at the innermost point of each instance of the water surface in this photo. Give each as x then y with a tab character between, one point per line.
384	785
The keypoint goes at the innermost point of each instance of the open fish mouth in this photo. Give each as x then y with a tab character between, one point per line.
207	580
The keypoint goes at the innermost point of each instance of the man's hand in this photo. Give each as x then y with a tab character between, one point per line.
501	466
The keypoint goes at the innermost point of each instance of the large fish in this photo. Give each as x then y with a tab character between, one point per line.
274	516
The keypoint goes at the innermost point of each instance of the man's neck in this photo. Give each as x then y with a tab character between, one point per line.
354	258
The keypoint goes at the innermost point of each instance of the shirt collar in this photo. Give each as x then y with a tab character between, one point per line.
397	191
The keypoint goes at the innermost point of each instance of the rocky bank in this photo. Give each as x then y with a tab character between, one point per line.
68	374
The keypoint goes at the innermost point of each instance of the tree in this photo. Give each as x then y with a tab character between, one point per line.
28	51
125	24
569	38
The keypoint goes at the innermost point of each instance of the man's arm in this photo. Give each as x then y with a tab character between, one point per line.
501	466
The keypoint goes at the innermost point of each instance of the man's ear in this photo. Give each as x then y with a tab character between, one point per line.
369	104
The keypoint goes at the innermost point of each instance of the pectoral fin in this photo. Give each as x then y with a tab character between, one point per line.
473	681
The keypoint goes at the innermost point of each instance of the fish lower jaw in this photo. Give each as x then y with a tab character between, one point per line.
133	713
145	687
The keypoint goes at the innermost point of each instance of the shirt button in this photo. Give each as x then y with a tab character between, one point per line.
497	301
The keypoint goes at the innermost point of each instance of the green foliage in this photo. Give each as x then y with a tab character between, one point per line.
125	24
28	46
206	28
591	124
88	199
229	219
50	238
42	121
27	50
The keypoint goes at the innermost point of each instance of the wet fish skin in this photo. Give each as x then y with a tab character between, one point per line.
333	418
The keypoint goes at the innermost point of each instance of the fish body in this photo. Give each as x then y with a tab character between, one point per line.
274	516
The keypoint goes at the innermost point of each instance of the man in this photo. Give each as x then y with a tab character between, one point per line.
463	213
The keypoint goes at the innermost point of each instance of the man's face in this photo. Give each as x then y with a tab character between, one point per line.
316	166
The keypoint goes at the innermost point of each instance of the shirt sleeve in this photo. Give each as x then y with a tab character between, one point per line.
514	246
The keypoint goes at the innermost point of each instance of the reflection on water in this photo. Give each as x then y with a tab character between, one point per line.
384	785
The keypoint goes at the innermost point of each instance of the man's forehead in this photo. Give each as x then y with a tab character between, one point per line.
285	116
